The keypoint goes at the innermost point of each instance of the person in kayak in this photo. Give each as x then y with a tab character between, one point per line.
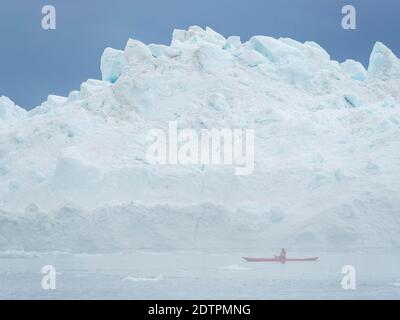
282	256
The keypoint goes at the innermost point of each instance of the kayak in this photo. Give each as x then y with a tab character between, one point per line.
279	260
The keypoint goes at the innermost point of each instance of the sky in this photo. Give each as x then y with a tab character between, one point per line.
35	62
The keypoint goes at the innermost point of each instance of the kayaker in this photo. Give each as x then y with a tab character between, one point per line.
282	256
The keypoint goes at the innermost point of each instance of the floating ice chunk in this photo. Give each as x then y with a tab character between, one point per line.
18	254
112	64
233	267
383	63
354	69
133	279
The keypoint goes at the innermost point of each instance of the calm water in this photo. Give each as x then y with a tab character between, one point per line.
200	275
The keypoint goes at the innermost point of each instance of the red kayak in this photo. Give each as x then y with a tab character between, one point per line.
277	259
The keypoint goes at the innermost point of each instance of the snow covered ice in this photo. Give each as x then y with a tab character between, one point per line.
73	173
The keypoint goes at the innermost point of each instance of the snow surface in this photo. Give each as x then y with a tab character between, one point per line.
73	174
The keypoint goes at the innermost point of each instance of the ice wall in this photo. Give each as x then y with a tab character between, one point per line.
327	163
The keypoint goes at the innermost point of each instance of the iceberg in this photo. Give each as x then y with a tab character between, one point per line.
327	169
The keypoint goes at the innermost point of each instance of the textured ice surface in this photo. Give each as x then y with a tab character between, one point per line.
73	174
112	64
354	69
383	63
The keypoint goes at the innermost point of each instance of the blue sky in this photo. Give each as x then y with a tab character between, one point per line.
35	63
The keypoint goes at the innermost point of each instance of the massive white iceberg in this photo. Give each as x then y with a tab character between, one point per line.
73	172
